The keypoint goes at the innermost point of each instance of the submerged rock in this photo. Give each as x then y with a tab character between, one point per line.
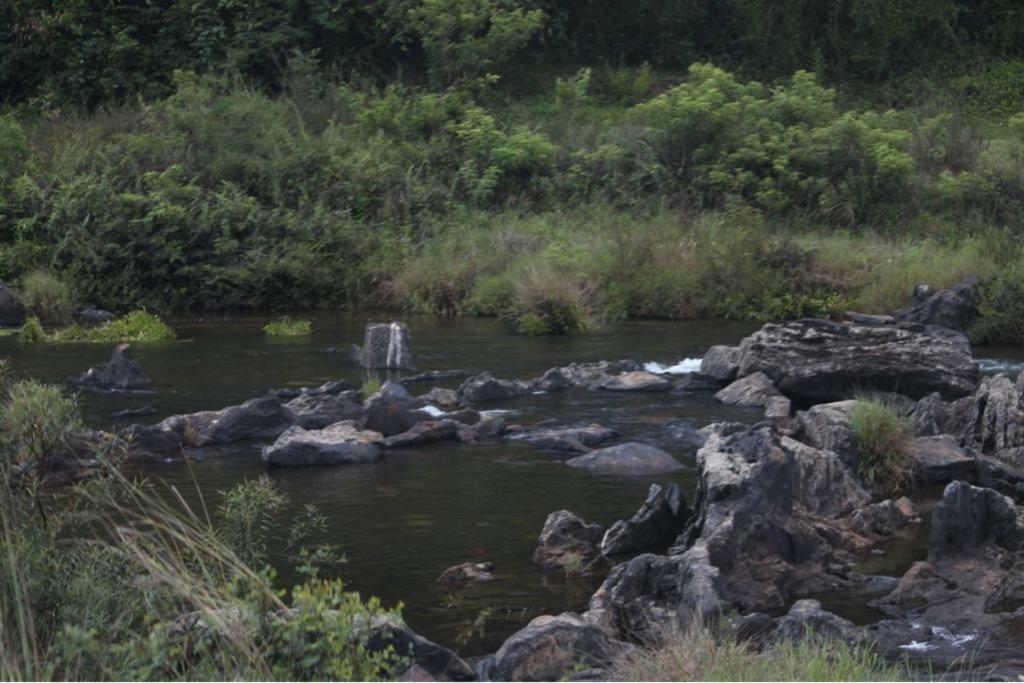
548	649
567	439
822	360
90	316
955	308
638	380
318	410
567	541
627	458
584	375
119	373
659	520
385	347
484	388
467	572
392	410
339	444
430	431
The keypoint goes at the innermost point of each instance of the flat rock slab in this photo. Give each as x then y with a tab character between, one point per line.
627	458
339	444
940	460
639	380
754	391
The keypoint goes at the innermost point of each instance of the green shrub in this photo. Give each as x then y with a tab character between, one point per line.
286	327
36	420
137	326
370	387
32	331
46	297
882	436
1002	309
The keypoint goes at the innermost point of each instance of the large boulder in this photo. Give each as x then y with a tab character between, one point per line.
659	520
385	347
339	444
627	458
820	360
392	410
585	375
955	308
769	511
940	459
484	388
828	426
548	649
388	630
262	418
119	373
721	363
638	380
12	312
318	410
566	541
567	439
993	419
754	390
971	516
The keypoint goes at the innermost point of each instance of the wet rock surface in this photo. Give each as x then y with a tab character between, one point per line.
754	390
659	520
467	572
567	542
343	443
12	312
627	459
120	373
567	439
955	308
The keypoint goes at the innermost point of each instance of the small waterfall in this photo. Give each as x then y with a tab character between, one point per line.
394	359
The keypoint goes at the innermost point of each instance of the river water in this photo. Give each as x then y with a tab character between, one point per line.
401	521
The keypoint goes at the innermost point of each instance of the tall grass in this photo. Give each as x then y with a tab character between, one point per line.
701	654
47	297
881	434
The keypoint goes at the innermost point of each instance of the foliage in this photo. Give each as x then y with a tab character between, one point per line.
881	435
137	326
248	511
1002	309
46	297
36	420
32	331
370	386
286	327
706	654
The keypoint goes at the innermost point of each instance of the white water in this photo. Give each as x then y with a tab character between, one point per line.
395	346
432	411
940	637
683	367
1007	367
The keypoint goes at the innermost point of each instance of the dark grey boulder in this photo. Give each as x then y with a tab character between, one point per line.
318	410
392	410
567	439
695	382
754	390
721	363
339	444
828	426
659	520
12	312
567	541
385	347
806	618
969	517
548	649
427	431
90	316
638	380
446	399
119	373
940	460
583	375
488	429
260	418
820	360
955	308
390	631
628	459
884	518
484	388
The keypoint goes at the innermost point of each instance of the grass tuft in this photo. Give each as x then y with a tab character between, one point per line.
46	297
136	327
32	331
286	327
882	435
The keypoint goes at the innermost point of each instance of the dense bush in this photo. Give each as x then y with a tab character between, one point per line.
35	420
46	297
1002	308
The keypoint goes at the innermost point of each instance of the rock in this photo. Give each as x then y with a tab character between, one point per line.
636	381
685	436
446	399
90	316
437	375
389	630
566	540
884	518
807	618
425	432
828	426
721	363
585	375
548	649
777	411
869	318
484	388
120	373
260	418
755	627
659	520
969	517
955	308
567	439
490	428
467	572
753	391
318	410
820	360
385	346
650	594
627	458
997	473
769	512
339	444
392	410
12	312
940	460
694	382
993	420
467	417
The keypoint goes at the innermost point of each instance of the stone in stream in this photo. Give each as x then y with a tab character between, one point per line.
446	399
428	431
721	363
659	520
119	373
638	380
392	410
567	439
339	444
628	459
467	572
940	460
754	390
12	312
584	375
90	316
567	541
484	388
258	418
385	347
821	360
955	308
828	426
318	410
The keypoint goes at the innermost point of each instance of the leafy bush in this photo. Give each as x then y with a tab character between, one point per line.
881	435
36	420
32	331
1002	309
137	326
286	327
46	297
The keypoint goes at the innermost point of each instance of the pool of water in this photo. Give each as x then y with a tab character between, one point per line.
403	520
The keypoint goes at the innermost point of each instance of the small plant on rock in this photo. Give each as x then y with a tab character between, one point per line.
882	435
